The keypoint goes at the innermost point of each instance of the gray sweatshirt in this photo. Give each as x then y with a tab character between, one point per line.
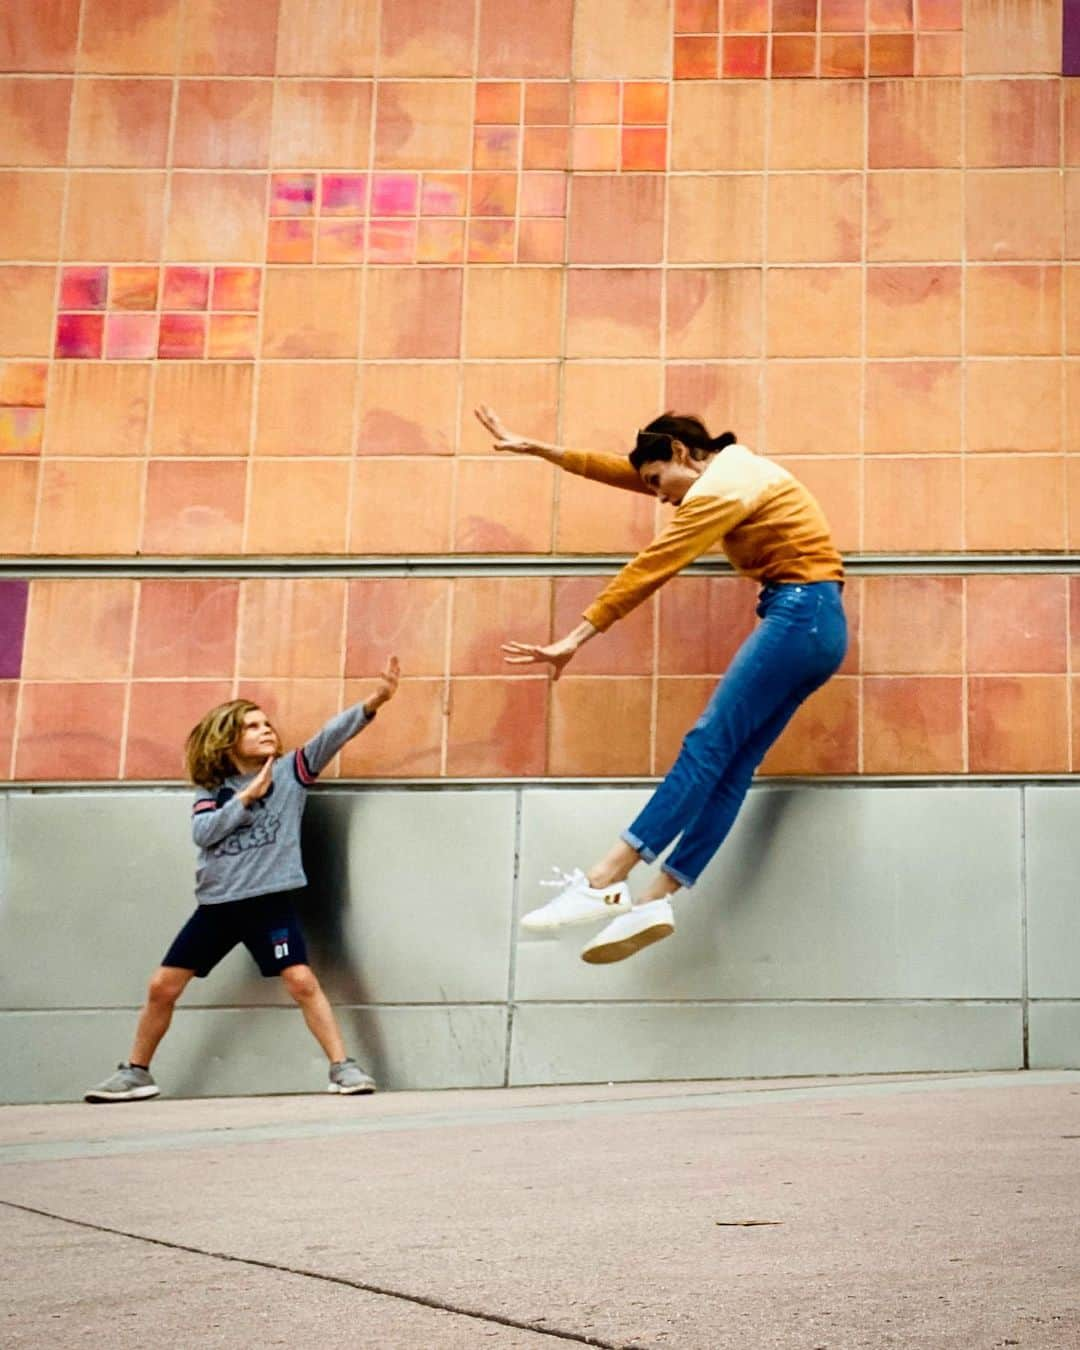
255	850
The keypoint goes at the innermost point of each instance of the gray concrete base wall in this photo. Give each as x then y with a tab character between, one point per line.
842	929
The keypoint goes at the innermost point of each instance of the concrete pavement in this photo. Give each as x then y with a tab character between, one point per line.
936	1211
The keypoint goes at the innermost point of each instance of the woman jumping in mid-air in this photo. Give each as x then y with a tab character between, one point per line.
771	529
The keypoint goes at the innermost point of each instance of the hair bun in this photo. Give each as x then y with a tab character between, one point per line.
720	442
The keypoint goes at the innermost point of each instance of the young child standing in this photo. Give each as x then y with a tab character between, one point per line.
246	825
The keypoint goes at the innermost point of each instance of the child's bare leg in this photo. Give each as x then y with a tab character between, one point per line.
616	865
301	983
166	985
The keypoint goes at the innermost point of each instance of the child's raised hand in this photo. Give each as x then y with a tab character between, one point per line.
260	784
386	685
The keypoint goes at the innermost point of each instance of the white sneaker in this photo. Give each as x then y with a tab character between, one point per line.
628	933
577	902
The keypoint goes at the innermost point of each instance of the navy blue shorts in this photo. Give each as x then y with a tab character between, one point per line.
266	924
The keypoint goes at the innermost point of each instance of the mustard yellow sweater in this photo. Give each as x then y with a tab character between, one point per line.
768	524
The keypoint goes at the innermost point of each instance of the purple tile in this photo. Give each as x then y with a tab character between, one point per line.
13	596
79	335
292	194
1070	38
344	194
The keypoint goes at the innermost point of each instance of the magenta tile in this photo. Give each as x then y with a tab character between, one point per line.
21	430
79	335
341	240
236	288
182	337
394	194
84	287
543	194
444	194
186	288
130	336
1070	46
343	194
13	597
391	241
292	194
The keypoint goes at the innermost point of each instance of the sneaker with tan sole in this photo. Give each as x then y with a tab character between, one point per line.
628	933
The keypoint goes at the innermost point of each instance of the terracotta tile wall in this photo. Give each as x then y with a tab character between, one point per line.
258	262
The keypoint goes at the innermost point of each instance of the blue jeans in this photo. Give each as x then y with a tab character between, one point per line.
799	643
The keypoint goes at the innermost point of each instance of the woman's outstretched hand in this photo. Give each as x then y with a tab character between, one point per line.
504	438
556	654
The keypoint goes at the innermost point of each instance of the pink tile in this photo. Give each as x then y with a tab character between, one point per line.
342	240
343	194
444	194
440	241
79	335
391	241
491	241
21	430
83	287
186	288
543	194
162	713
130	336
133	288
236	288
87	743
394	194
233	337
182	337
292	194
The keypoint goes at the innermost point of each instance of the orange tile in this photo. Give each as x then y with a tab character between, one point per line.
201	409
543	194
596	102
41	37
493	194
697	16
645	103
913	505
714	309
794	16
513	312
297	506
26	302
724	396
542	241
332	37
34	116
913	311
535	46
97	409
912	407
321	124
222	124
498	101
525	394
939	54
30	224
703	622
1018	724
941	14
613	312
1072	406
915	124
815	217
120	123
216	216
1071	100
422	125
9	693
594	149
1072	315
593	518
914	216
1014	216
718	126
680	702
405	617
497	728
643	149
496	148
1015	502
1072	215
503	506
440	241
792	57
18	496
1014	405
1012	123
823	736
415	39
186	629
313	312
234	39
1016	624
129	37
842	57
491	241
194	507
413	312
408	410
1013	310
813	311
837	486
600	726
913	625
714	218
292	628
546	148
603	405
1012	39
162	714
23	384
744	57
406	742
401	505
135	288
891	54
79	630
628	41
297	708
817	126
232	337
488	611
812	407
913	726
70	731
305	408
89	506
626	648
114	217
547	104
21	430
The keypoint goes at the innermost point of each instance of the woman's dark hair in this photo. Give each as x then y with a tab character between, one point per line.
654	441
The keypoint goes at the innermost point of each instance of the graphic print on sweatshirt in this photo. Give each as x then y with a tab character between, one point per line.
259	834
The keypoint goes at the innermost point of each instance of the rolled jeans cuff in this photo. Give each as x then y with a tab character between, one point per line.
638	846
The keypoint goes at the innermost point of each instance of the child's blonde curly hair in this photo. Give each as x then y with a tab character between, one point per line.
209	746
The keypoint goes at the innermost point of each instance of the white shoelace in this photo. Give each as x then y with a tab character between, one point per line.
565	879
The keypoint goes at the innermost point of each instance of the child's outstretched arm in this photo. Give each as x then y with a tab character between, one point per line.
614	470
312	758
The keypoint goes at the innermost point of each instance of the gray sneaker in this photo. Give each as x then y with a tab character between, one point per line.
127	1084
347	1077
